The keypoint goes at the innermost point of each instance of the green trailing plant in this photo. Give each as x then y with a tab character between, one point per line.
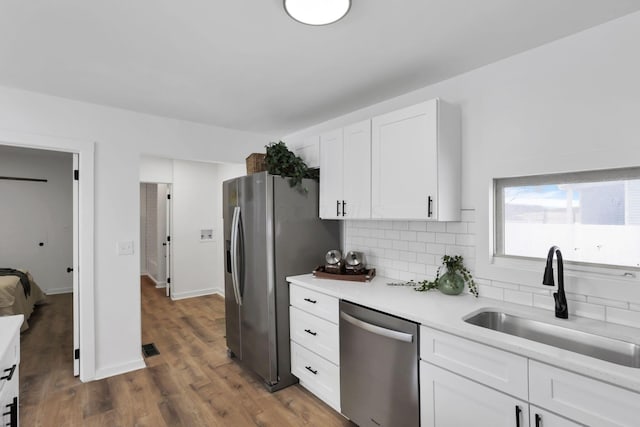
453	264
282	161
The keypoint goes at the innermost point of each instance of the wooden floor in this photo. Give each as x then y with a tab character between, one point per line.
191	383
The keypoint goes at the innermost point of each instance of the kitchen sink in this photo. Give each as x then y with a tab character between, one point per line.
603	348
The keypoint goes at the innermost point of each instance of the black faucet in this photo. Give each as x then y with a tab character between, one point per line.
562	311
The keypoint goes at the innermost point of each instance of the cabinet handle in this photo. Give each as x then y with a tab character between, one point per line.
308	368
538	420
13	413
429	206
518	411
312	301
10	371
310	332
337	207
344	205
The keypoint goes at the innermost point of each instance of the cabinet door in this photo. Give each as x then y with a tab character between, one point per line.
331	177
404	159
542	418
357	170
309	151
449	400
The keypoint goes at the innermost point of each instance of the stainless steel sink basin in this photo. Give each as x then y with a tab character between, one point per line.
603	348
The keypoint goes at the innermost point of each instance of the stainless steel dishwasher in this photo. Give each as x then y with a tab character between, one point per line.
378	368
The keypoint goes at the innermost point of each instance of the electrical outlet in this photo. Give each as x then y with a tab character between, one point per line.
125	248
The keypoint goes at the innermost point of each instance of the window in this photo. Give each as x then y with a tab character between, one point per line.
594	217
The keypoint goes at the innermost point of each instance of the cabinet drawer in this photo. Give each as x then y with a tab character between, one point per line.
316	334
313	302
316	374
583	399
9	359
496	368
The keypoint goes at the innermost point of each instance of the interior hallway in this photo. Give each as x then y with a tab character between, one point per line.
191	382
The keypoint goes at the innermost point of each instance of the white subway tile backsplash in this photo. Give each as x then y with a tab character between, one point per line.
392	234
418	226
423	236
400	225
623	317
544	301
608	302
439	227
456	227
406	250
584	309
448	239
490	292
408	235
417	247
518	297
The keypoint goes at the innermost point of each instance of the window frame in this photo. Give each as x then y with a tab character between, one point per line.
498	237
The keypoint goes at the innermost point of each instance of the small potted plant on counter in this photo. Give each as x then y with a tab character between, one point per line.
451	282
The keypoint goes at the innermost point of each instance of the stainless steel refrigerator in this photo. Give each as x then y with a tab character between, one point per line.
271	231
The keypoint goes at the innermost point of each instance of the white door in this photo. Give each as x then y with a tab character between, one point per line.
167	241
357	170
449	400
404	163
76	267
331	177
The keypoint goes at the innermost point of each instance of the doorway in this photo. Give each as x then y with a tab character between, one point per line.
83	239
155	234
39	231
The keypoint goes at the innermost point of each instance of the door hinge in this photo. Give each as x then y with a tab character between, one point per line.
76	354
168	279
168	238
169	196
76	175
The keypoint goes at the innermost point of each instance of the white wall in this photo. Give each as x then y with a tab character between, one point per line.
570	105
37	212
121	137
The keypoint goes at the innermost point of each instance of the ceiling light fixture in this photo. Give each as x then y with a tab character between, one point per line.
317	12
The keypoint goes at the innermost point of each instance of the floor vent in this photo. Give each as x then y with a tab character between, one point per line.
149	350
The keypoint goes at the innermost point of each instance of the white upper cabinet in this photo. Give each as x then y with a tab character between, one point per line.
415	163
308	150
345	172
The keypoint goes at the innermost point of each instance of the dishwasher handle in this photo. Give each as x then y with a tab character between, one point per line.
378	330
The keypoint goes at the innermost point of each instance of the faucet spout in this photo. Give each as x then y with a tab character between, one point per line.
562	310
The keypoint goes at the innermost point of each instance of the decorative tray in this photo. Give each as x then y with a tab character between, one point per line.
368	274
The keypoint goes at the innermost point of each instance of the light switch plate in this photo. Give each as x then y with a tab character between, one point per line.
125	247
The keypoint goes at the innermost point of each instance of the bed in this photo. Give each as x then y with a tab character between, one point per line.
14	299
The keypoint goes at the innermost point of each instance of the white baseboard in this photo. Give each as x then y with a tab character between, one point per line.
156	282
193	294
56	291
120	369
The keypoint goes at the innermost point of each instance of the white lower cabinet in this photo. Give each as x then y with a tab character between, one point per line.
463	382
9	370
315	355
449	400
538	417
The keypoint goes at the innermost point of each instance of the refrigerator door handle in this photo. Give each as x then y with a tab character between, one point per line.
234	253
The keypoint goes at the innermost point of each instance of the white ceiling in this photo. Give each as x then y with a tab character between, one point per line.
245	64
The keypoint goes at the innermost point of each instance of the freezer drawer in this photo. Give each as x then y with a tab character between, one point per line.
378	368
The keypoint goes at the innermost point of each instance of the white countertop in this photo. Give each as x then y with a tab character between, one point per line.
447	313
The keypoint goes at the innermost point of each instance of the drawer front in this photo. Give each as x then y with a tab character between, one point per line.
316	374
499	369
316	334
316	303
8	406
582	399
9	359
